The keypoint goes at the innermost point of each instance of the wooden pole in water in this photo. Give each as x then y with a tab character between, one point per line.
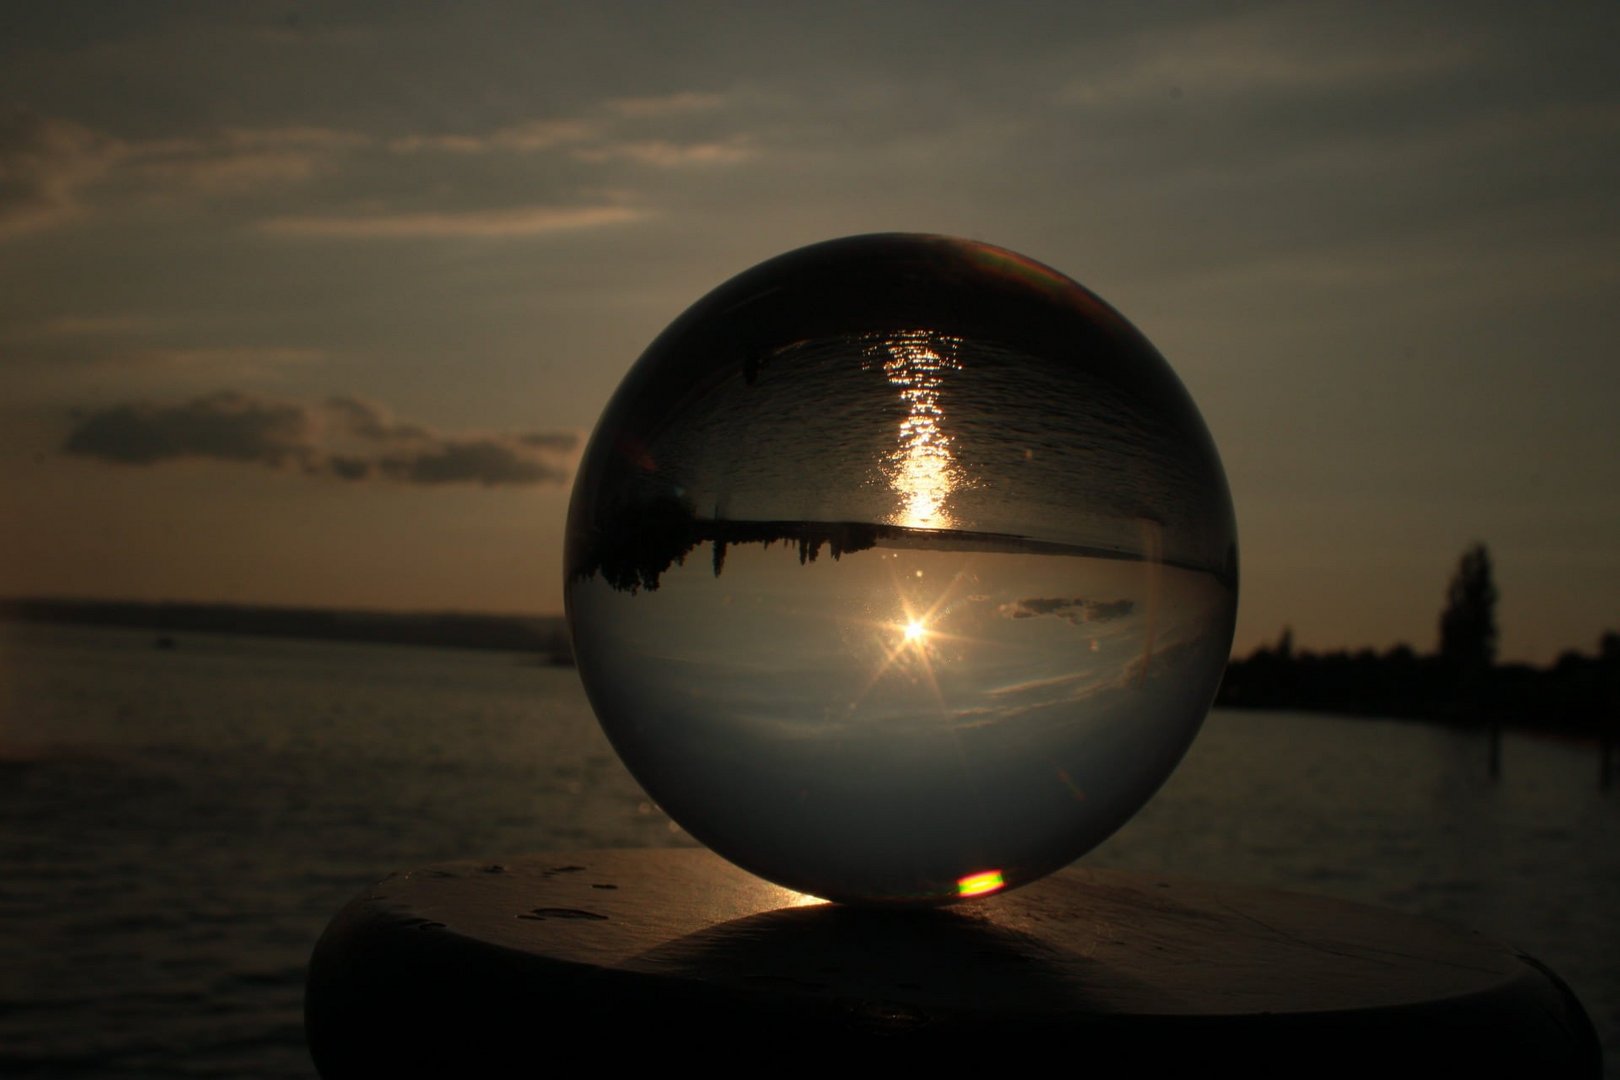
1606	767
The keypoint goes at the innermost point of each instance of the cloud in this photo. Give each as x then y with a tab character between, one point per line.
45	164
230	358
234	172
237	160
53	170
664	154
225	426
616	130
530	137
369	420
1249	57
49	165
343	437
506	222
484	461
685	101
560	441
299	136
82	326
1074	609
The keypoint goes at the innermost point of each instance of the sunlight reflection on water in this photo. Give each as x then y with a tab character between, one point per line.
923	471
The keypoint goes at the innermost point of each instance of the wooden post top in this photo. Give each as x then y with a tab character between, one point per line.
637	954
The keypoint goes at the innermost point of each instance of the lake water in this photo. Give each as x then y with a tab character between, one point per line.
177	826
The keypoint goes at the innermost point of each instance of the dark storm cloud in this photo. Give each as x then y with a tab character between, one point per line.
344	437
1074	609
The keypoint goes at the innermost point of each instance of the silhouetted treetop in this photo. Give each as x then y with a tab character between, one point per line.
1468	623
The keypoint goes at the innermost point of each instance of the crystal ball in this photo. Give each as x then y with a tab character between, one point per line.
901	569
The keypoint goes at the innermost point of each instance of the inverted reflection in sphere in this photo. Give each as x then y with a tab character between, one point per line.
901	569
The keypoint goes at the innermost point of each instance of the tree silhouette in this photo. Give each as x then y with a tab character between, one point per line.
1468	623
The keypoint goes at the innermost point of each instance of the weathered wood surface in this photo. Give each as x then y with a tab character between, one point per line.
634	956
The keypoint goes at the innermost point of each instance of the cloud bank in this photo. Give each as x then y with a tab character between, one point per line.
43	164
344	182
1074	609
347	438
519	221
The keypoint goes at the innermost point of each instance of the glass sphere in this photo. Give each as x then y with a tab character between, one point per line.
901	569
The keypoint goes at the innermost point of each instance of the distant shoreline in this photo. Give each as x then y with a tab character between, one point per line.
1576	697
546	635
639	542
1579	695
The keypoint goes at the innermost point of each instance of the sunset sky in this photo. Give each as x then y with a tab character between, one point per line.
314	303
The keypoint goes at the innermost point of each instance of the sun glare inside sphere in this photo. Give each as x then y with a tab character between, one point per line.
901	570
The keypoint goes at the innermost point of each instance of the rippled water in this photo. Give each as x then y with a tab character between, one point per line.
176	827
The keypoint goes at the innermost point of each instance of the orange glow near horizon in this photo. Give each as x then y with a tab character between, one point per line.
981	884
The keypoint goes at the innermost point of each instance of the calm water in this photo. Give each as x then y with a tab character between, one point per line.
177	826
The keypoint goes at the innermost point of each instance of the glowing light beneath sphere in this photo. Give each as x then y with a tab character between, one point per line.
980	884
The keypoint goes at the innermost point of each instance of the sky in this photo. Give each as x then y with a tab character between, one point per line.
315	304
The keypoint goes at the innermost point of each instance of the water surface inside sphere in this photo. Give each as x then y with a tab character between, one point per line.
901	569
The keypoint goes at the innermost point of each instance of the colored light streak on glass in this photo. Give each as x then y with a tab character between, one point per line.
1022	271
922	470
980	884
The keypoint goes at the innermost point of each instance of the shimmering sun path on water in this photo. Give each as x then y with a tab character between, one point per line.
923	470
